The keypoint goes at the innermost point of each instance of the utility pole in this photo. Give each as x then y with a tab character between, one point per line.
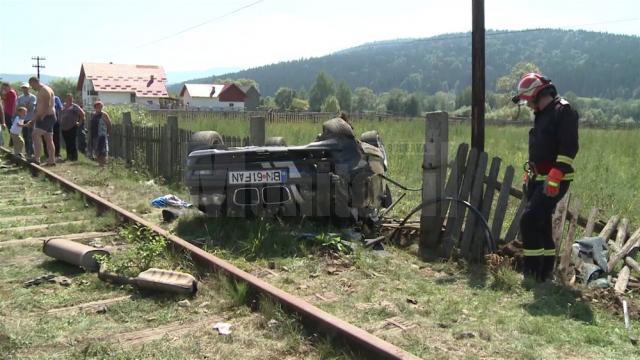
37	65
478	75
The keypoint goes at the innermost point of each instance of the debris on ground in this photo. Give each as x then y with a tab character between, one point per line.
167	280
169	201
272	323
184	303
48	278
73	253
223	328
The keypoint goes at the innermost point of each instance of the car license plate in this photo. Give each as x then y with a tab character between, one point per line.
271	176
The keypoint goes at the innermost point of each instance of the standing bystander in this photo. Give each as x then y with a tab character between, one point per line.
16	130
100	128
71	120
28	101
43	121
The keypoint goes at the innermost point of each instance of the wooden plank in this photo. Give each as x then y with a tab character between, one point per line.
514	228
433	178
476	202
591	222
632	264
452	189
452	233
621	235
610	227
631	244
479	241
623	280
566	245
502	204
558	219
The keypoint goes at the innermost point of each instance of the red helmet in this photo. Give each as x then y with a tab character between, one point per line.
530	85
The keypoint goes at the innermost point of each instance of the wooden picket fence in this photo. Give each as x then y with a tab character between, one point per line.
272	117
161	150
455	231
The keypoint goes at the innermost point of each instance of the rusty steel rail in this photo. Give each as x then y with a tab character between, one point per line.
319	319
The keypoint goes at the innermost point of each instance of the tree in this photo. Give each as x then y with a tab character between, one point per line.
364	99
509	82
322	88
64	86
395	100
331	105
284	98
464	98
299	105
239	82
412	106
343	93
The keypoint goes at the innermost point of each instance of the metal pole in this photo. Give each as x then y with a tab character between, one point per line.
478	76
37	65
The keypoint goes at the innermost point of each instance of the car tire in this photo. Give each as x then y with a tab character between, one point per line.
275	141
203	140
337	128
372	138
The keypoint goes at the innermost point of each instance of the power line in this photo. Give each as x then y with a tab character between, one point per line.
200	24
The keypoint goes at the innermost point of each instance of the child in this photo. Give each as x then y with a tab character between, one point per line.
16	130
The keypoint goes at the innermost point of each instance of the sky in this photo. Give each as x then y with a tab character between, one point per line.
218	36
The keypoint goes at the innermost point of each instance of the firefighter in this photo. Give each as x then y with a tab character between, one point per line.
553	145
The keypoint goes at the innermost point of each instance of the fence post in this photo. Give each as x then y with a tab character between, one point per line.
434	171
173	151
257	130
127	141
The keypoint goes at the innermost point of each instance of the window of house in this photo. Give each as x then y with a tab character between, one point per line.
230	104
133	97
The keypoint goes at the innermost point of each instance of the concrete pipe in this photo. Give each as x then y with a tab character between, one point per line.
73	253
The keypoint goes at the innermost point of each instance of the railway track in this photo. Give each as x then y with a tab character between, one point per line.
50	318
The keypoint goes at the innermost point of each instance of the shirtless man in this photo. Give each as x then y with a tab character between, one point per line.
43	121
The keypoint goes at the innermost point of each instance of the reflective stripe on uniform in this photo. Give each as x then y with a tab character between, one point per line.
549	252
567	177
565	159
552	183
533	252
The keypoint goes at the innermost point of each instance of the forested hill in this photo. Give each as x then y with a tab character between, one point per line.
587	63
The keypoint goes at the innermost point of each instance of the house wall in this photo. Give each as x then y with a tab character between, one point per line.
109	97
88	100
211	103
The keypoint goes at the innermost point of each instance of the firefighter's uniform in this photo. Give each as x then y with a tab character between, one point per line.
553	144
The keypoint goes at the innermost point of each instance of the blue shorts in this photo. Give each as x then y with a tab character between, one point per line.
46	123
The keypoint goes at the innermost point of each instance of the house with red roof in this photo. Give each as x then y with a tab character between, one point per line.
122	84
219	97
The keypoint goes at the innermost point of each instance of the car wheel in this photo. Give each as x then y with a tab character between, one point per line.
373	138
203	140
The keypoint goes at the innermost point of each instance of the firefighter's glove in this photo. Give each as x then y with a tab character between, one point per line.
552	184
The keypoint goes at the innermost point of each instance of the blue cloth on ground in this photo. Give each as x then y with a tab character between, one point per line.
169	200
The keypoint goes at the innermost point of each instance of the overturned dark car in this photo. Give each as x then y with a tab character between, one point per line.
337	177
